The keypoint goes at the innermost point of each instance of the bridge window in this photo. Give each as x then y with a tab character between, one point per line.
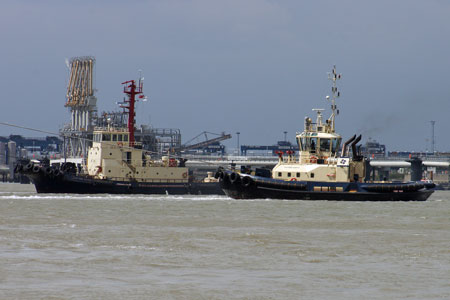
125	137
325	145
312	145
289	174
114	137
335	144
119	137
298	174
279	174
302	143
106	137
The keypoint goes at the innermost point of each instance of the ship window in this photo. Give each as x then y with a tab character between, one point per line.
279	174
298	174
335	144
325	145
125	137
119	137
106	137
114	137
312	143
289	174
312	175
302	143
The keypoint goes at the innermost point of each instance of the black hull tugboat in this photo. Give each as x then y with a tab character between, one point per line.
116	164
64	180
321	171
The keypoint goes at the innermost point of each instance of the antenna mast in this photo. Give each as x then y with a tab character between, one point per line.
333	76
131	90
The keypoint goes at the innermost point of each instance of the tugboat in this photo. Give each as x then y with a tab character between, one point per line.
322	171
117	164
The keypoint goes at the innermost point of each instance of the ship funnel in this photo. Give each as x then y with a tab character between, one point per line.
344	147
355	153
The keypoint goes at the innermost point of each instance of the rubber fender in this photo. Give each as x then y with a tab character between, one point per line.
246	181
29	167
234	178
226	177
36	169
48	171
217	175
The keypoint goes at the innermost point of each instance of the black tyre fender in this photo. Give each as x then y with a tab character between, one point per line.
36	169
246	181
225	177
235	178
28	167
48	171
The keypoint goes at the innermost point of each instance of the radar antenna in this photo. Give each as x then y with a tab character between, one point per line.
333	76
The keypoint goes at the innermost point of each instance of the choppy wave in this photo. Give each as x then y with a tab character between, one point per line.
111	197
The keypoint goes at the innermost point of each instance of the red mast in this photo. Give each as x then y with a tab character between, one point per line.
131	90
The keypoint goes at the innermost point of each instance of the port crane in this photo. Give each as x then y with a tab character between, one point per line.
188	146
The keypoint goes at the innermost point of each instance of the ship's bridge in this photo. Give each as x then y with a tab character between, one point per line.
110	135
319	143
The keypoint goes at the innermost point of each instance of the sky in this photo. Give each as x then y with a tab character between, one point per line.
253	66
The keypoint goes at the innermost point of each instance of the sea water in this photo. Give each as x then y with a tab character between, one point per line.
67	246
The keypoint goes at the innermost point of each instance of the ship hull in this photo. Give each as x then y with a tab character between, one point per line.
254	187
72	183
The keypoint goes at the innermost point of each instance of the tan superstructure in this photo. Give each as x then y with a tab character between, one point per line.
110	157
319	158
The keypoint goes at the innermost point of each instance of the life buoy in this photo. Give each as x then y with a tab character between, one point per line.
293	179
120	144
172	162
313	159
184	175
